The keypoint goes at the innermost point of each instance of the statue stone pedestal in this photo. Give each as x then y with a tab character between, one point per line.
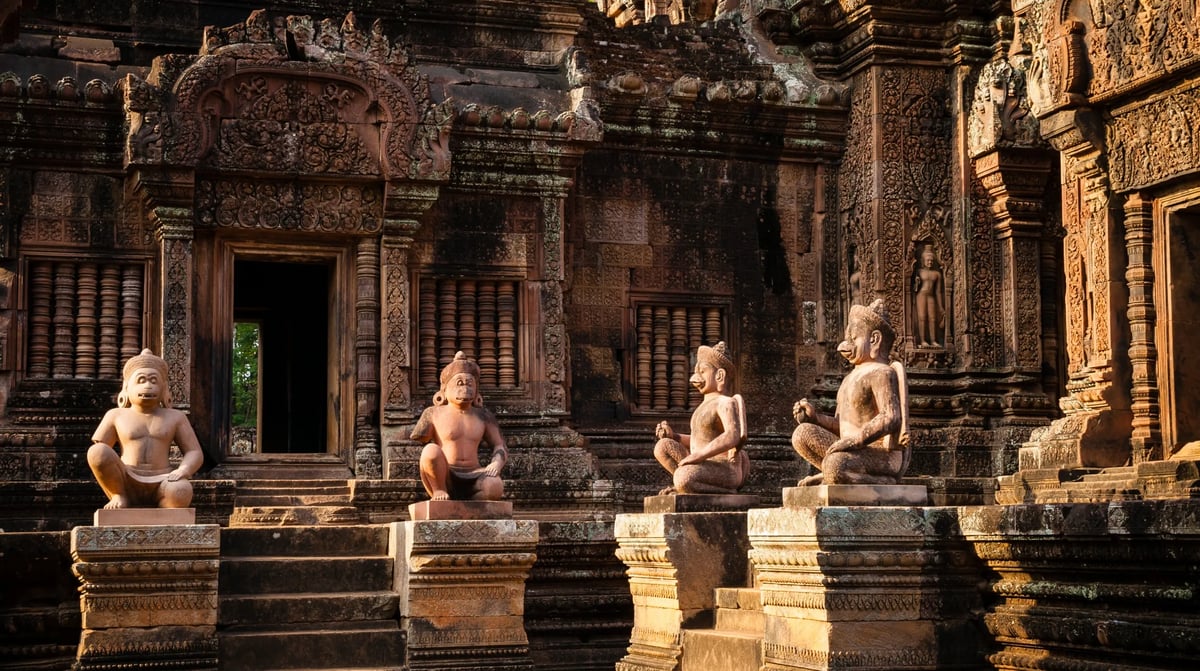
462	591
865	587
148	595
676	561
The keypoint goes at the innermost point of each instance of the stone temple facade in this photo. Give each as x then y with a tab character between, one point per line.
577	194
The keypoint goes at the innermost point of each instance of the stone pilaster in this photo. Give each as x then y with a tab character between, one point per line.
368	462
175	233
1143	352
148	596
676	561
462	592
864	588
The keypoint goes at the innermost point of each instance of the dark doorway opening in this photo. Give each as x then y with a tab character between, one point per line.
1181	419
289	304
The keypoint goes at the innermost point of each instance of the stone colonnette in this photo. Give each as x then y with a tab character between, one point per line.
148	596
462	592
877	587
676	561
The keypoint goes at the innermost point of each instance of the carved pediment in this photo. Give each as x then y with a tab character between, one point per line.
294	97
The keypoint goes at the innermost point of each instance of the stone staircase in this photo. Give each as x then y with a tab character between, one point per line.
735	642
293	502
293	597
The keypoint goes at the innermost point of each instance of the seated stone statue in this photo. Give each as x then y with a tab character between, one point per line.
866	441
710	460
144	425
453	428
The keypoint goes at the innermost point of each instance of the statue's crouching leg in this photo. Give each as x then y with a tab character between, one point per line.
110	473
709	477
488	488
435	472
812	442
176	494
868	466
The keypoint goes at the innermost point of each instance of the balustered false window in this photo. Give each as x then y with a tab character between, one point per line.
666	338
478	317
85	317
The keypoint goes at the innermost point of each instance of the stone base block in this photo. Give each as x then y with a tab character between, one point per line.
462	588
855	495
166	647
699	503
106	517
461	510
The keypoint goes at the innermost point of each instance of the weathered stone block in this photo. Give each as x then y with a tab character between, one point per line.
676	561
462	587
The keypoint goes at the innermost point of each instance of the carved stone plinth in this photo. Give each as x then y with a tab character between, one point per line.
699	503
855	495
127	517
1090	586
461	510
676	561
462	592
148	596
864	588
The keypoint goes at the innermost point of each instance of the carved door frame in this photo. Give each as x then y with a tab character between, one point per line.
226	250
1182	202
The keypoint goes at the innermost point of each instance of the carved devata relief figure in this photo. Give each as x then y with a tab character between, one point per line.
927	277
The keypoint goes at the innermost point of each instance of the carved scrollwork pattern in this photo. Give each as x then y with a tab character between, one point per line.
353	105
1155	141
292	206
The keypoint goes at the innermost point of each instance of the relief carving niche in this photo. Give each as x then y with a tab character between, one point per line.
320	131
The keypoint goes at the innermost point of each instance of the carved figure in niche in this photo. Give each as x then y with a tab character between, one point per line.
928	299
855	278
452	429
866	440
711	459
144	425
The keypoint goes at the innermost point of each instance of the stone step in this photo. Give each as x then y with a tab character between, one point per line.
739	610
734	620
297	541
249	516
274	575
248	609
295	646
261	500
711	650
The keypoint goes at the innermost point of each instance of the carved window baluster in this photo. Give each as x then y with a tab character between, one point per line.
488	363
428	333
478	317
679	358
108	362
85	323
62	353
131	311
644	359
506	308
40	299
84	318
467	316
448	328
666	339
695	334
661	358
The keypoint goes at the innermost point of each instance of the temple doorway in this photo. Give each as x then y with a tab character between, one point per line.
1179	359
280	377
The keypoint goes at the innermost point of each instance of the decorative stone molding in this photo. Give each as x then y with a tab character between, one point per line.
863	587
148	596
462	591
676	561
